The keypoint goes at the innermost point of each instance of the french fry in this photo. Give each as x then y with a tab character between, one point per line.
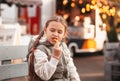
56	40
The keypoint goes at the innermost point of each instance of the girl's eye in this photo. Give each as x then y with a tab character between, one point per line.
60	32
52	30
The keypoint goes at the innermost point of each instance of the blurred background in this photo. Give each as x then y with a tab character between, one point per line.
94	31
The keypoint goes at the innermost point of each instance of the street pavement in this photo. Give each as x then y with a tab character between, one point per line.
90	67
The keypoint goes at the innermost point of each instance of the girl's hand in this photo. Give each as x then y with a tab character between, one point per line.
57	50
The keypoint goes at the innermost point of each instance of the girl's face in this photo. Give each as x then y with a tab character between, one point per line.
55	30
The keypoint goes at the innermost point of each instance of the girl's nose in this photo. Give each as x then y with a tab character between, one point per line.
56	33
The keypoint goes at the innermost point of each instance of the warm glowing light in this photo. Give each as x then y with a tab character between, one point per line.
92	7
80	1
87	7
77	18
101	10
107	7
83	10
65	2
109	14
65	16
99	4
112	12
118	13
104	7
93	2
72	4
104	16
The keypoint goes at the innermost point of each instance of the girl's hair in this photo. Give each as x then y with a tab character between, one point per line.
33	45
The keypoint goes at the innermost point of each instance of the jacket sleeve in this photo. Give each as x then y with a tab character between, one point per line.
74	76
44	68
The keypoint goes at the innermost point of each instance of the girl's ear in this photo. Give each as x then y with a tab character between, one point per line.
65	35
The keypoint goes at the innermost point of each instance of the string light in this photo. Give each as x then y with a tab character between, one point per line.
65	2
102	5
80	1
88	7
118	13
83	10
72	4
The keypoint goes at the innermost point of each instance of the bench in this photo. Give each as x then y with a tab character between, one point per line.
112	65
9	68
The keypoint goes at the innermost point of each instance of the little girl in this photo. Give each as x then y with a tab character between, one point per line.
49	58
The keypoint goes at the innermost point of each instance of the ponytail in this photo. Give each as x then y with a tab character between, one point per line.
37	40
30	58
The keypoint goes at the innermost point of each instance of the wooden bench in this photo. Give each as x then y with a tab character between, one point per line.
8	67
111	64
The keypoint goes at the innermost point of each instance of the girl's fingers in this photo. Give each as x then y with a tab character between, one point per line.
57	43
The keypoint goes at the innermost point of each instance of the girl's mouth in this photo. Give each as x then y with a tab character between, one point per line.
55	39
